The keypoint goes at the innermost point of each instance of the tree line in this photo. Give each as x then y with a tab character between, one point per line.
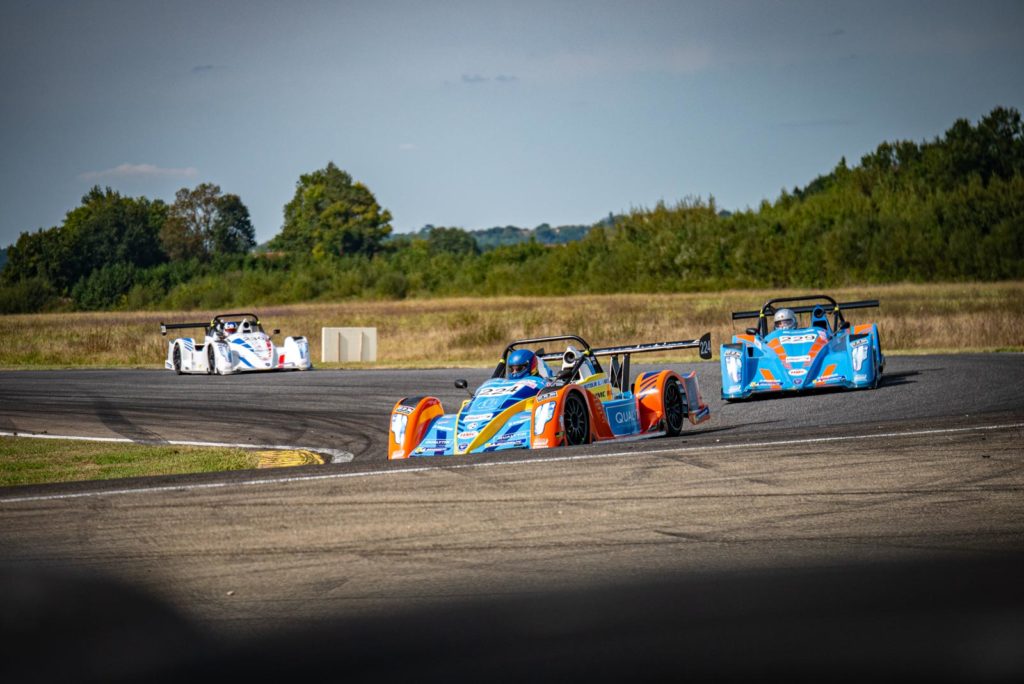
947	209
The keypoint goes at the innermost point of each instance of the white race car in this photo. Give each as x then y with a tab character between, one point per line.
233	343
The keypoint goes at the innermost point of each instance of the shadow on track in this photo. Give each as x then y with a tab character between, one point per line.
941	620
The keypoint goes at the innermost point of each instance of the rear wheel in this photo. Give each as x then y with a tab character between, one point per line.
176	359
576	420
672	404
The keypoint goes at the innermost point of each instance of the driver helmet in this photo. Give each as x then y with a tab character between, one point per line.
785	319
230	328
521	362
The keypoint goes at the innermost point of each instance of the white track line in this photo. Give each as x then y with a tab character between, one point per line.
337	456
490	464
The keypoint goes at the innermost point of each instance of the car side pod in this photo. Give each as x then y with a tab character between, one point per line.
662	395
410	419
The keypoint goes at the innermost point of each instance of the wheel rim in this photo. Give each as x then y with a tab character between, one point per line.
575	417
673	407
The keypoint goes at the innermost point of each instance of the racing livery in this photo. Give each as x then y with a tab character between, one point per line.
233	343
578	404
824	353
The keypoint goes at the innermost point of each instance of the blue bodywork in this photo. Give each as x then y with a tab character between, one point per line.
814	357
496	408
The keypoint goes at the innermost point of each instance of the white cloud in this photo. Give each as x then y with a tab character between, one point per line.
140	171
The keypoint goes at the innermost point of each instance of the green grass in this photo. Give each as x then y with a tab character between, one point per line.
28	461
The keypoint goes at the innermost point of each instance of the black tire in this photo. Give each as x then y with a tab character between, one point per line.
672	404
176	359
576	419
211	360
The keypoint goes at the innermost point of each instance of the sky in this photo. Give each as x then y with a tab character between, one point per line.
479	114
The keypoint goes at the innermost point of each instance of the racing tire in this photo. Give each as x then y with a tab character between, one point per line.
878	373
176	359
672	405
576	420
211	360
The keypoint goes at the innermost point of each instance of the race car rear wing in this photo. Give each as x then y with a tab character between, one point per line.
827	306
209	325
863	304
619	372
164	327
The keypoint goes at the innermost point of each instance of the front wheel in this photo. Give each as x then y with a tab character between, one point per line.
576	420
211	360
672	405
176	359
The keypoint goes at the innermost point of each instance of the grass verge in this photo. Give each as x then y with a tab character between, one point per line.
28	461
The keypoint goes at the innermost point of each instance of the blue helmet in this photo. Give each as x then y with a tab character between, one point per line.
521	362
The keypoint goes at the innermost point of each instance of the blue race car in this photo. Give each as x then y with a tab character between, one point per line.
793	357
527	405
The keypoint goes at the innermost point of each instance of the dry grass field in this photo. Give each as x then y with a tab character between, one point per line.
958	317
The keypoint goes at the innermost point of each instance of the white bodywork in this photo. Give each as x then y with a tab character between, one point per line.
250	349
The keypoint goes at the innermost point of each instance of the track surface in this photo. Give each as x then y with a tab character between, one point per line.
348	410
927	467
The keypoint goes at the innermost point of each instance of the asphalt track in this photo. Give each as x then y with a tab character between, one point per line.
900	510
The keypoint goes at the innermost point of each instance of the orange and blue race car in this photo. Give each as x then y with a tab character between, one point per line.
527	404
821	351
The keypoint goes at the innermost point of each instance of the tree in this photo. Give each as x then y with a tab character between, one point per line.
107	228
232	232
203	223
331	214
451	241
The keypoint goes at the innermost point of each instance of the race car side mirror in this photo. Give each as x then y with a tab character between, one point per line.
752	331
275	331
462	385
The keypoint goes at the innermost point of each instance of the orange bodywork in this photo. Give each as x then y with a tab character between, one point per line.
417	421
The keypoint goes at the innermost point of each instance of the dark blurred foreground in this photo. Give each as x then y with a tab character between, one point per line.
937	621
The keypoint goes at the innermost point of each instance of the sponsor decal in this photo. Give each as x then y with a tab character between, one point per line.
398	424
541	416
626	417
473	426
860	377
478	417
860	354
487	403
798	371
540	442
797	339
798	359
405	409
467	435
545	396
733	388
733	364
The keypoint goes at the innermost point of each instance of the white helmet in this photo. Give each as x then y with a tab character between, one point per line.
785	319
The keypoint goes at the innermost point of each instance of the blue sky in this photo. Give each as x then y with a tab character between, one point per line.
477	114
